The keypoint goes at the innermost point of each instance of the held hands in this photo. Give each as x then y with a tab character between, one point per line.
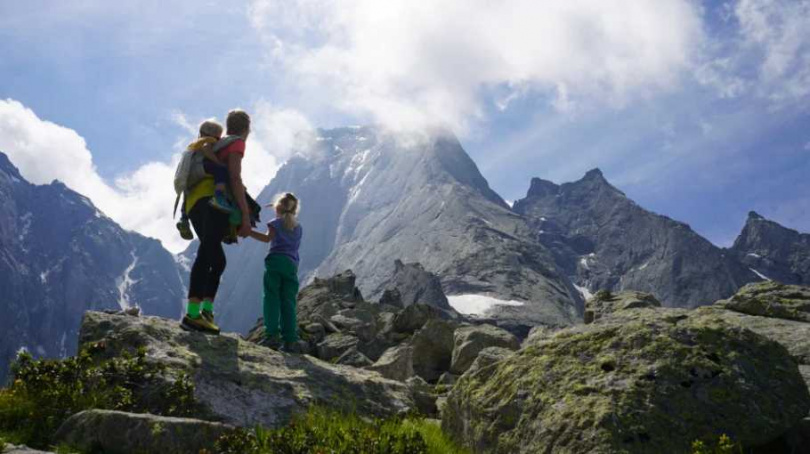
244	228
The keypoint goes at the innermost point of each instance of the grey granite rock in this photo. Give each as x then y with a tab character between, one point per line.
433	349
468	341
604	240
604	303
244	384
116	432
395	363
773	251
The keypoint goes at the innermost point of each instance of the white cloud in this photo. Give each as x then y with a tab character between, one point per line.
407	64
770	55
140	200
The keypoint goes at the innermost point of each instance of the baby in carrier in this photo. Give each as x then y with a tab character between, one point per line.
210	133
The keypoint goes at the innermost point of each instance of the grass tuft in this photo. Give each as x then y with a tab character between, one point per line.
324	431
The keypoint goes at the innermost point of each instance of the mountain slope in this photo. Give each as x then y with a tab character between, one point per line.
60	256
369	199
774	252
603	240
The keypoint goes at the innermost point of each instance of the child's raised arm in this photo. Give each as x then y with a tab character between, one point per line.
264	237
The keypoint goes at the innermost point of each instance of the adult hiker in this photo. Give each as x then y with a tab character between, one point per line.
281	274
212	225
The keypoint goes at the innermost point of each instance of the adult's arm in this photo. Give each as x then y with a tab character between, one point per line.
238	190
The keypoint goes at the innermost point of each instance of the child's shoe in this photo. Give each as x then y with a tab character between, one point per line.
185	229
220	203
270	342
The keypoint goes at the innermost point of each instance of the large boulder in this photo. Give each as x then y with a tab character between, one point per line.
116	432
604	303
336	344
488	357
231	375
651	380
414	317
771	299
354	358
412	284
433	349
395	363
468	341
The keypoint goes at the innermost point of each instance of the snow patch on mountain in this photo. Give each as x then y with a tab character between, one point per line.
760	274
478	304
183	261
125	282
586	294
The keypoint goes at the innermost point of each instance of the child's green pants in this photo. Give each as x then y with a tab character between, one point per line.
280	293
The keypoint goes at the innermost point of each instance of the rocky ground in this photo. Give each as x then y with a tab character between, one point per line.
635	377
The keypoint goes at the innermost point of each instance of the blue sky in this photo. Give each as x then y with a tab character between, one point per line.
697	110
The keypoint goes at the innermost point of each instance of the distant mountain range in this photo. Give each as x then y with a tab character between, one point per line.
60	256
371	202
370	199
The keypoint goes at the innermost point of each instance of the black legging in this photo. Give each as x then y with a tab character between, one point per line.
211	226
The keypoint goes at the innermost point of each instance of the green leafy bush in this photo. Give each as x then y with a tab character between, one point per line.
724	445
323	431
44	393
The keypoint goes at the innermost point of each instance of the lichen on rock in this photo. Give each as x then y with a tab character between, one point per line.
650	380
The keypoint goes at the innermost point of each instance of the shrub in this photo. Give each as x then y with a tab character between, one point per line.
323	431
724	445
44	393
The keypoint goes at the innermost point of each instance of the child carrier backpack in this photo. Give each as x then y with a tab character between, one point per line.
189	172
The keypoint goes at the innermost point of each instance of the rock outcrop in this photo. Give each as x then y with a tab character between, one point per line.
415	285
773	251
605	303
241	383
640	380
771	299
751	308
469	341
116	432
603	240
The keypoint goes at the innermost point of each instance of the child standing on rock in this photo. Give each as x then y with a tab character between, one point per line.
281	275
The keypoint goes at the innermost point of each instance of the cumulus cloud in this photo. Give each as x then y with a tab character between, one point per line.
406	64
768	56
779	29
140	200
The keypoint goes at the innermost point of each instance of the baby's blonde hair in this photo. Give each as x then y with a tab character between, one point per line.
211	128
287	206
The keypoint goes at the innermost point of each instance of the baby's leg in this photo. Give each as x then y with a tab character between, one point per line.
219	172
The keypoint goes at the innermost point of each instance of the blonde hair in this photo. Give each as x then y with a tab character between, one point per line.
287	206
237	122
211	128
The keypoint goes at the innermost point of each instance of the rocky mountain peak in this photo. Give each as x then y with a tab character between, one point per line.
773	251
754	216
542	188
7	167
594	174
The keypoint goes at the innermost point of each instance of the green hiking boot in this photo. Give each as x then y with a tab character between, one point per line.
198	324
209	317
185	230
